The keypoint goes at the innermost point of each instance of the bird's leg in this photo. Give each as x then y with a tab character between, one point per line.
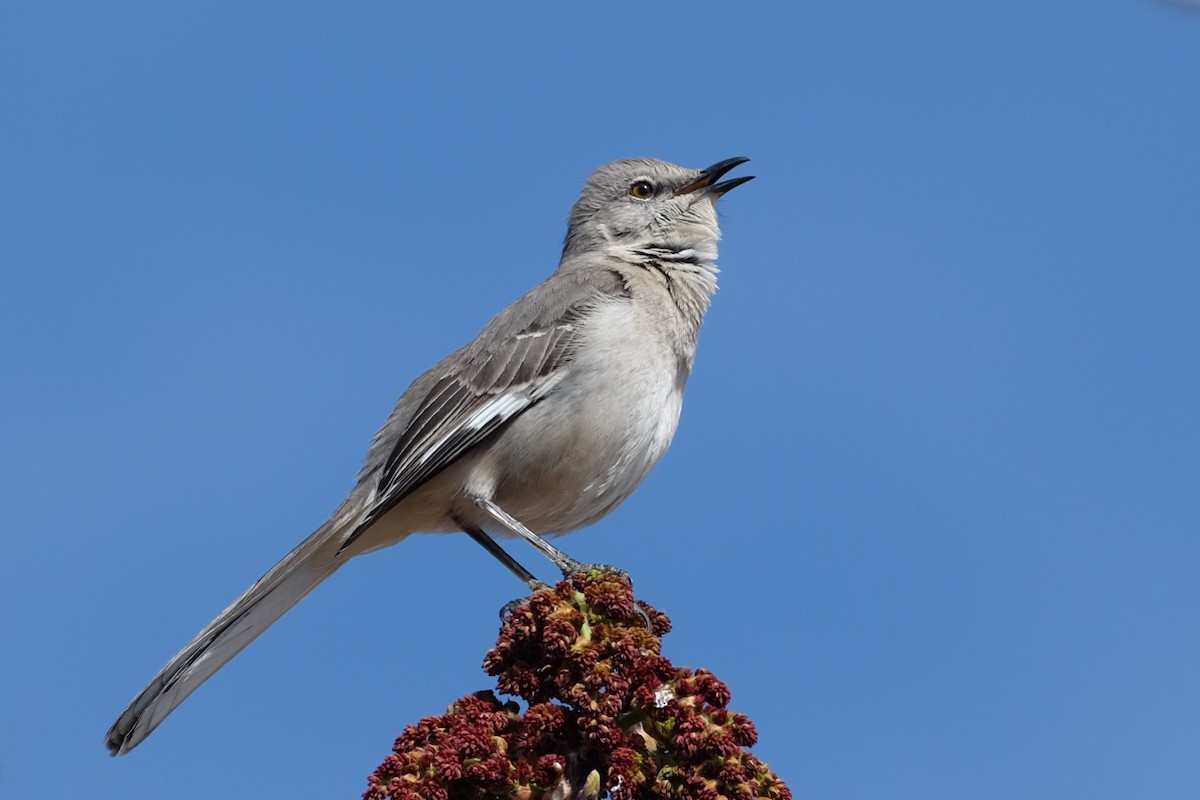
564	562
501	555
567	565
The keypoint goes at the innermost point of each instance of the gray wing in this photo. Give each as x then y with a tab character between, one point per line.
517	360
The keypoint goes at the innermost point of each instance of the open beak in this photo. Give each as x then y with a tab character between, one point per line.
709	177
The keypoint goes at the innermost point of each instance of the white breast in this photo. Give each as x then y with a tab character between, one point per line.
613	415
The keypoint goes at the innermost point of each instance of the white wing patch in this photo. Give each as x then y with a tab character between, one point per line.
502	406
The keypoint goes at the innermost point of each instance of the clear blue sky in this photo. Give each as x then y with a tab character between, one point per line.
933	510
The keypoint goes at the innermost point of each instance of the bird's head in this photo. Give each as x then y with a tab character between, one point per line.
644	205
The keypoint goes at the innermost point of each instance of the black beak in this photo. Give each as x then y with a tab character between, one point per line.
709	177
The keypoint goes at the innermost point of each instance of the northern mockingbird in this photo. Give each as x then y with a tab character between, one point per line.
546	422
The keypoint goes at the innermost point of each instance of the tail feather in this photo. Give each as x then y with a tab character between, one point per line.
314	560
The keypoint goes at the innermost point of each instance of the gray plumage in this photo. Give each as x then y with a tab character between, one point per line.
548	420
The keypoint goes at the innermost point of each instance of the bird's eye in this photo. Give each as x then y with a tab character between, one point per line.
642	190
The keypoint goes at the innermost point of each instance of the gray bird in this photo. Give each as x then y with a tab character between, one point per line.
546	422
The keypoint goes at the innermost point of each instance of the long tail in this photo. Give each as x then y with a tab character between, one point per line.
314	560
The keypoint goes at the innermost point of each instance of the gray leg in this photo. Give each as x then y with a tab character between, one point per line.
501	555
564	562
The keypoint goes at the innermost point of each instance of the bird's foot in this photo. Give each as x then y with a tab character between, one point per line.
574	567
578	568
508	608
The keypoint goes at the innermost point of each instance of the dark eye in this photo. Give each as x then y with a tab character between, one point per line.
642	190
